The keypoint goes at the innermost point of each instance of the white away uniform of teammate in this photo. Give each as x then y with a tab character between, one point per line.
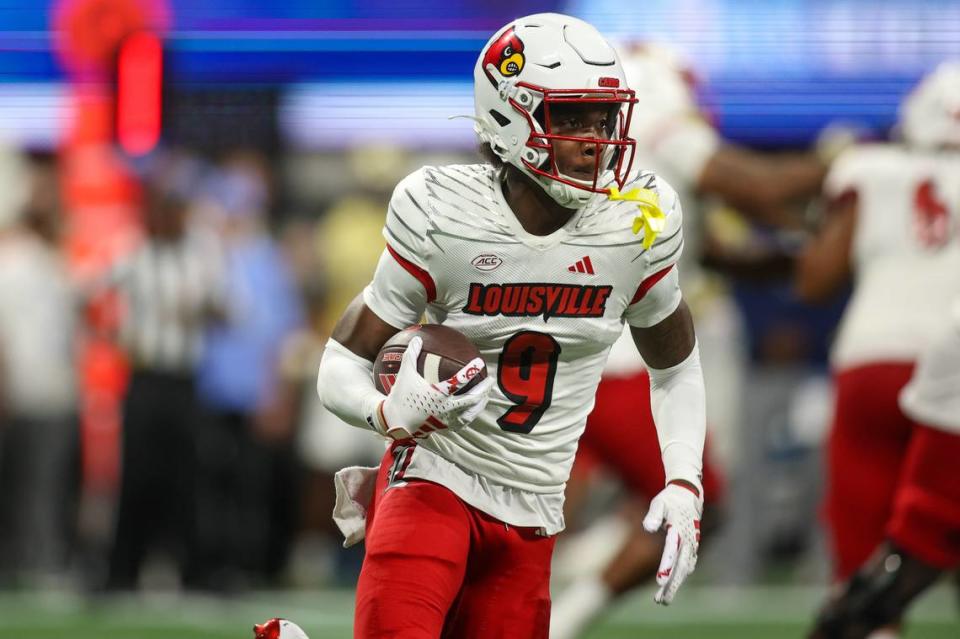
926	508
675	142
933	395
905	257
906	251
543	310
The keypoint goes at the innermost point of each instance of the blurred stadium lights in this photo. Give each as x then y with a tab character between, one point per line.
339	115
34	114
776	71
790	38
139	89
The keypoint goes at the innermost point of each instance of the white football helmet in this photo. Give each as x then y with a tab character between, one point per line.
930	116
664	84
278	629
534	63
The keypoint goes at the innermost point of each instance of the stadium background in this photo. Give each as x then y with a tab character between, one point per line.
337	100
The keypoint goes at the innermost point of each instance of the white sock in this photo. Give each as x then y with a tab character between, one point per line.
884	633
577	606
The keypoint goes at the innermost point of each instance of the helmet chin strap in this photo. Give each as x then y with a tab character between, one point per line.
564	194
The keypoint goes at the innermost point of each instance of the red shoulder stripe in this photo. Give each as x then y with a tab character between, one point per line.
417	272
649	283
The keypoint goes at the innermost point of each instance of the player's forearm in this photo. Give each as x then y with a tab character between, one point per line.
824	265
345	386
679	410
762	186
794	176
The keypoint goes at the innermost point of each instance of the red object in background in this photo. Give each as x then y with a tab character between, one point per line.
101	196
103	375
88	32
139	92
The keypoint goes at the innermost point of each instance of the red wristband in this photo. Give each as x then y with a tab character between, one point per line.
685	484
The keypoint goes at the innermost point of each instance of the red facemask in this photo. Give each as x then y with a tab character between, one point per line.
614	153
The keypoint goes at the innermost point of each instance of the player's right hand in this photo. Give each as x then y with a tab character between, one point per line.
415	407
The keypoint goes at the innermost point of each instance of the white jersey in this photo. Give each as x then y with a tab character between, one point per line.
675	143
673	139
933	395
37	324
543	311
906	250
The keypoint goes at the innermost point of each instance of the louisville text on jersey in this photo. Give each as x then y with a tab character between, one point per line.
531	300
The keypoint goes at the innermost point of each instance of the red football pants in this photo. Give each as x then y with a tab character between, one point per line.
867	447
437	567
622	436
926	511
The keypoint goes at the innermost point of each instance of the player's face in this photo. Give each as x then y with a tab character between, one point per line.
575	158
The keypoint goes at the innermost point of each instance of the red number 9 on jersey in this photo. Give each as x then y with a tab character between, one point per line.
525	374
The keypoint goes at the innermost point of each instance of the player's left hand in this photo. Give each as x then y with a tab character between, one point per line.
678	507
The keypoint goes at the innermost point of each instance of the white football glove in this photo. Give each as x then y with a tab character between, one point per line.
415	407
680	509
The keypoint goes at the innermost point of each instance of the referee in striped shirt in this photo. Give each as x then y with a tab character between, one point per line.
170	289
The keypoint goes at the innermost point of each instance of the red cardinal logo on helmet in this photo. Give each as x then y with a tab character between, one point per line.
506	55
267	630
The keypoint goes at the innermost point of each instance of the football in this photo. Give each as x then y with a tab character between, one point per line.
445	351
278	629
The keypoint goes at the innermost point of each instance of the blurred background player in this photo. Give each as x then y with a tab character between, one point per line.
922	533
38	397
169	289
674	139
344	250
247	482
890	228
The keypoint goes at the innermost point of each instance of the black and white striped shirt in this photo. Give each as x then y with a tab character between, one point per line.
167	290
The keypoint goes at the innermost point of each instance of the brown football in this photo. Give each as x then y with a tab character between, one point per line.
445	351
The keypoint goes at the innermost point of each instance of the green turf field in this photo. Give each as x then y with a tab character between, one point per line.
780	613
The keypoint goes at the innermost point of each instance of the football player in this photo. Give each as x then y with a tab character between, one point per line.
539	257
922	535
892	227
676	140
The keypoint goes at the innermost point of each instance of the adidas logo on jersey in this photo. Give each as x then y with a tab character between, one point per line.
583	265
